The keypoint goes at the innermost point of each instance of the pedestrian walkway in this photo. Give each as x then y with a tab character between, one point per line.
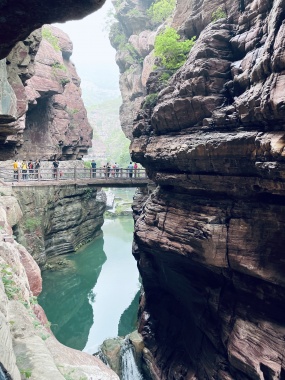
101	177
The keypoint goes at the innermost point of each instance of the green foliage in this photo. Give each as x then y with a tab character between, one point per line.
64	81
31	224
118	3
109	20
218	13
59	66
88	193
164	77
120	40
172	52
44	336
150	101
107	132
117	36
33	300
11	289
160	10
50	37
26	372
87	164
71	375
134	13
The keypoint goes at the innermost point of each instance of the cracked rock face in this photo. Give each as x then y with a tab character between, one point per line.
209	241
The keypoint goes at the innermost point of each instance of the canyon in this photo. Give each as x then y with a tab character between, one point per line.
209	240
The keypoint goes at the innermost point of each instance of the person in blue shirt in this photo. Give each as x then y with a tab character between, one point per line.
130	167
93	166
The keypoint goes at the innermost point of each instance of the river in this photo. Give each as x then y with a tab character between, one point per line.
95	297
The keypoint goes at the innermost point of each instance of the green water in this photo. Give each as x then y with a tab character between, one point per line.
97	296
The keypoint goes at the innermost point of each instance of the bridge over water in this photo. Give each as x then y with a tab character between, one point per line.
100	177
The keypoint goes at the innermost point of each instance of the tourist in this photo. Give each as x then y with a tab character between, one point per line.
113	170
135	169
108	169
37	168
93	168
24	169
55	168
130	169
31	169
117	169
16	168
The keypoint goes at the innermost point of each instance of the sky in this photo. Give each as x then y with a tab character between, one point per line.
93	56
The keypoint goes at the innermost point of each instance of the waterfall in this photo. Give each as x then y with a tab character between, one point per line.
129	367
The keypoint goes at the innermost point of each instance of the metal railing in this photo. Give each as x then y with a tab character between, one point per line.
52	174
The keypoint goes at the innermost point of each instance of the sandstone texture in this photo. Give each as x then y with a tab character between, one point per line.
209	241
58	219
28	349
43	113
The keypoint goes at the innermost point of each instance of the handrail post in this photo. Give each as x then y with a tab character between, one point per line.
39	173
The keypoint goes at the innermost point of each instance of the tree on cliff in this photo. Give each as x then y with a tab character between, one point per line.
160	10
172	52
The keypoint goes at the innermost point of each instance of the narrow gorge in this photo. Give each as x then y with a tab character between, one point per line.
209	239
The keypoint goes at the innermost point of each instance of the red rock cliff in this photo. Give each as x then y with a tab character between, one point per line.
46	115
210	240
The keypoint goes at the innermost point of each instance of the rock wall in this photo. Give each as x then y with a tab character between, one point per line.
32	15
28	349
58	219
43	115
133	38
209	241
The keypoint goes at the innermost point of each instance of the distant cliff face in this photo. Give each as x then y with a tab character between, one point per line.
133	38
209	241
59	219
44	113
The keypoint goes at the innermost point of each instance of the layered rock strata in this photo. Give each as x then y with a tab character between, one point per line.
43	113
209	241
58	219
28	348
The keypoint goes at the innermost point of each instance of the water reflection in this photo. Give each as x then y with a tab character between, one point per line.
66	292
117	285
87	302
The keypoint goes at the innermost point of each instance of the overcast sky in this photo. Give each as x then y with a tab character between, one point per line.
91	47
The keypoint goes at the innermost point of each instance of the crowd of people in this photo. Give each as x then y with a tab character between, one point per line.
31	170
114	170
28	169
